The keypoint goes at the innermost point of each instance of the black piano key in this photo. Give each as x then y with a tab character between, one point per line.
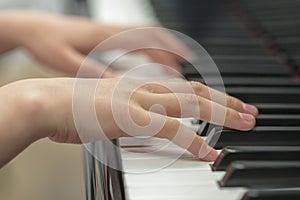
268	108
231	50
259	153
259	136
262	59
271	4
260	81
238	70
275	18
272	194
230	41
252	81
278	120
266	94
262	174
271	22
290	45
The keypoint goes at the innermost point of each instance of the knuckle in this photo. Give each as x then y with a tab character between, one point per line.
197	86
170	129
139	95
191	99
228	100
205	111
139	116
148	87
231	101
173	104
229	115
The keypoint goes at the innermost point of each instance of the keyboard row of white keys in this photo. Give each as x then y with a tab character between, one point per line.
183	193
175	182
160	176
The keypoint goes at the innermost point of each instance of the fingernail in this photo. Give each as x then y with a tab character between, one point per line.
211	156
247	117
250	109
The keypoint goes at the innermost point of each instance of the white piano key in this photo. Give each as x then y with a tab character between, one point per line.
183	178
155	152
142	141
167	164
173	178
180	184
184	192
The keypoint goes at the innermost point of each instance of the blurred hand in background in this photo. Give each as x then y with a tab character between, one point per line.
63	42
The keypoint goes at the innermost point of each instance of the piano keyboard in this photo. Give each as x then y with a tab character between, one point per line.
255	45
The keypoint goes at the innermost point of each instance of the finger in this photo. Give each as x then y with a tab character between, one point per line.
181	86
175	85
184	137
165	58
190	105
222	98
71	61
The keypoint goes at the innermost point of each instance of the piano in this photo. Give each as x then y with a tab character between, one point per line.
256	46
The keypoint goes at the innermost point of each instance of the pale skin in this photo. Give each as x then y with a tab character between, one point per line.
63	42
39	108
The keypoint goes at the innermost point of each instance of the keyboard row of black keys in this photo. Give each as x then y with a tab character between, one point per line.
255	45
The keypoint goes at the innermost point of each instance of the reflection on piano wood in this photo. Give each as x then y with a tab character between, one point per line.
256	46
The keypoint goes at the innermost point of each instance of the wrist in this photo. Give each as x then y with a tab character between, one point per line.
41	107
23	119
30	102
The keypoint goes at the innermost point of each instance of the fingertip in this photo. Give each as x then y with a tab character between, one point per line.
248	122
247	117
250	109
207	153
209	157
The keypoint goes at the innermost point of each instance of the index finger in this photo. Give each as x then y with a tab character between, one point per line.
197	88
